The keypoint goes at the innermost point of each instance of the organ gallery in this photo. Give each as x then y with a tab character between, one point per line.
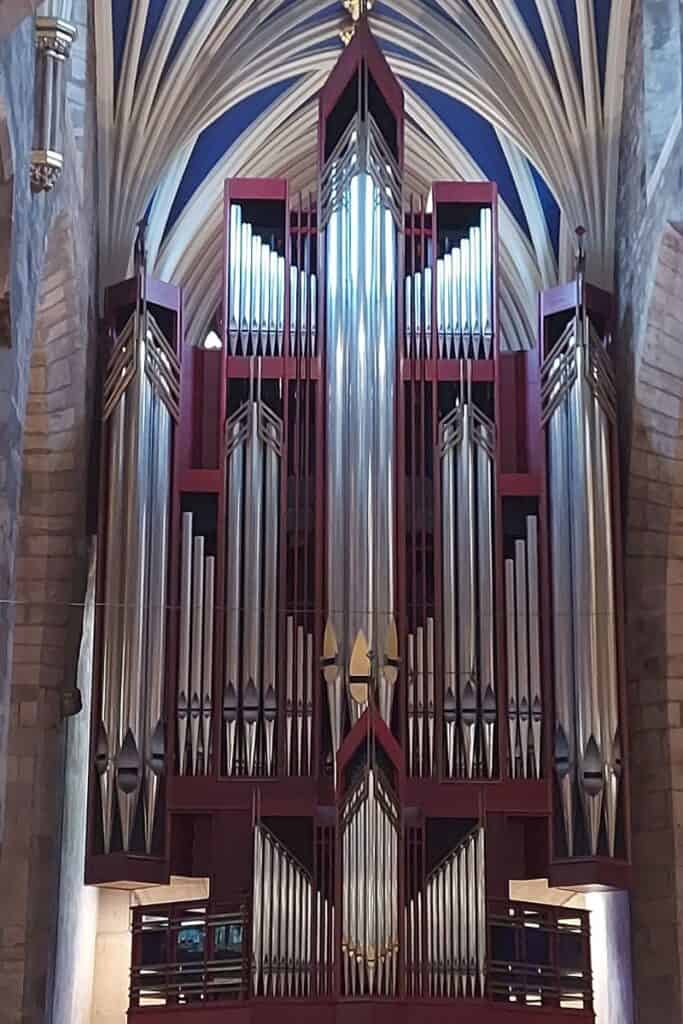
358	653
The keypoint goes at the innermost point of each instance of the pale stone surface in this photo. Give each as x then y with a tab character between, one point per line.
45	396
650	338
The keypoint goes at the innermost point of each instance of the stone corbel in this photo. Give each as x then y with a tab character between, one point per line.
54	38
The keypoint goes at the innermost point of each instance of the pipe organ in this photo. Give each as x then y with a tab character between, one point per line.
358	652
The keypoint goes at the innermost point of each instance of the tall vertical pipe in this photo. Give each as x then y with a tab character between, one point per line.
196	654
270	589
511	651
361	275
522	653
535	696
233	592
235	276
112	637
154	744
246	290
487	264
561	593
185	632
607	616
207	658
129	760
475	290
486	602
584	559
466	532
252	587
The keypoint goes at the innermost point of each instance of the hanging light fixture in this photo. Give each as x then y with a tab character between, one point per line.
54	38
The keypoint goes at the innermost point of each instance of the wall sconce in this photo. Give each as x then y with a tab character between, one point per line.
53	48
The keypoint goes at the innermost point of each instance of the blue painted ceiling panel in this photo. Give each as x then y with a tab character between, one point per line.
480	139
217	139
120	14
570	21
603	10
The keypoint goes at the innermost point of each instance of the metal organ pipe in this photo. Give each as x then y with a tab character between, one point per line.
360	240
464	298
525	709
257	296
140	407
455	921
370	836
235	471
469	637
107	746
253	457
154	742
282	920
579	412
129	761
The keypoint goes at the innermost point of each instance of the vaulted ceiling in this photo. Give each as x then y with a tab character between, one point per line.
525	92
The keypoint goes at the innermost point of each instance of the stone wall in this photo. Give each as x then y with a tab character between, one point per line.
650	365
45	398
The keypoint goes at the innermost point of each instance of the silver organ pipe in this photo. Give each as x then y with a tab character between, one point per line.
360	223
579	412
194	708
455	921
253	466
257	289
525	709
369	843
140	407
197	634
511	652
282	922
535	695
421	699
464	299
137	446
521	613
469	630
299	698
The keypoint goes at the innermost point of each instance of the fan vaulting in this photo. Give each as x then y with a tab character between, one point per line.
526	92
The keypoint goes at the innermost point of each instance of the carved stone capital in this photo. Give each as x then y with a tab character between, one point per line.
55	37
46	167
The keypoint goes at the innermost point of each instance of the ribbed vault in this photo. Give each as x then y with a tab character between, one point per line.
179	67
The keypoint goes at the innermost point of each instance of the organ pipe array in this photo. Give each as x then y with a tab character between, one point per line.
578	393
467	445
336	595
421	706
525	705
449	917
360	190
140	408
369	862
299	708
464	300
195	669
253	454
287	927
258	299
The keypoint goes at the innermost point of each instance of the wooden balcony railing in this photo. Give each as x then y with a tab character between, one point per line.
183	953
186	954
539	955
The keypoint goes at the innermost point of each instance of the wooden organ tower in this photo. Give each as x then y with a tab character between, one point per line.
358	644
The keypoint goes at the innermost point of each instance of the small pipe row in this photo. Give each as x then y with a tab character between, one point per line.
464	300
256	297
